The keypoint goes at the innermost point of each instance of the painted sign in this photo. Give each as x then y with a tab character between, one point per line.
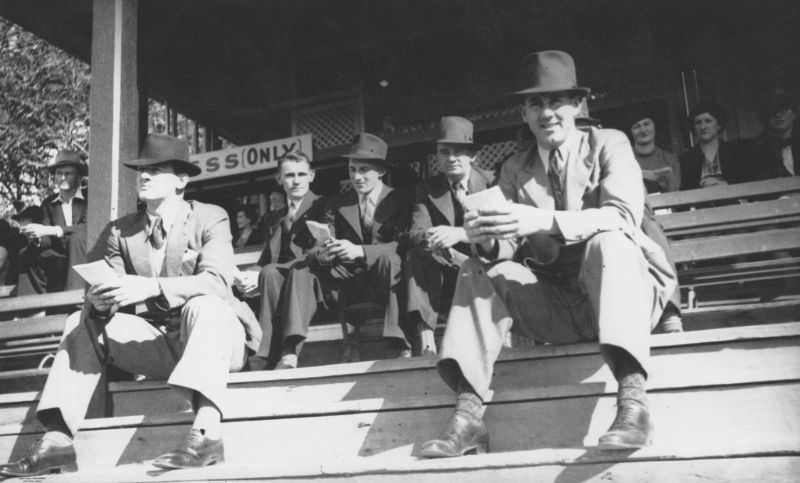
250	158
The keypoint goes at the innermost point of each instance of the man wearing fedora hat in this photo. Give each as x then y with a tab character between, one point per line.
361	260
59	241
777	149
175	257
438	240
588	271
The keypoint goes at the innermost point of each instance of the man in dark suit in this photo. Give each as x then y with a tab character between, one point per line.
176	258
288	240
59	241
438	240
363	257
777	150
573	209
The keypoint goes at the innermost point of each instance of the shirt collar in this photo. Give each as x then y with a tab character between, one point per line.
570	145
375	194
167	221
78	195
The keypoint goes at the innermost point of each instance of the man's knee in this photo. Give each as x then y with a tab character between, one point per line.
388	263
609	243
208	308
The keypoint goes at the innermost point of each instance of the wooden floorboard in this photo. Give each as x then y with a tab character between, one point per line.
711	423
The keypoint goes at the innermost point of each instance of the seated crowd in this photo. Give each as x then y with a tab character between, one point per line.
572	255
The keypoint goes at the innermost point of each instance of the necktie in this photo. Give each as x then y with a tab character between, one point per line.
291	214
157	234
459	192
367	212
556	175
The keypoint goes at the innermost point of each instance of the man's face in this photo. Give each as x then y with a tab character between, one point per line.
66	178
643	131
455	160
159	182
296	178
781	121
364	175
550	117
706	127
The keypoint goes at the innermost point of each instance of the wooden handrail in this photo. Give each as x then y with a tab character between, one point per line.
41	301
731	217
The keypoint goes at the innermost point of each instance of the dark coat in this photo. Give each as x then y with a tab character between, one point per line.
736	158
301	240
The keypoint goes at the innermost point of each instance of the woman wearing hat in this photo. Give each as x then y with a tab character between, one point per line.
660	169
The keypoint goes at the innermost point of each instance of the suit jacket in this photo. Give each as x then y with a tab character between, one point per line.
54	216
198	260
770	158
390	226
735	160
603	192
301	240
433	203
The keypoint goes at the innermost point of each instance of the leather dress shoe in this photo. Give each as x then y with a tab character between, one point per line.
288	361
196	451
631	428
463	435
43	458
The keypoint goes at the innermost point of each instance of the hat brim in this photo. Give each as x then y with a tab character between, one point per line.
190	168
476	146
81	167
371	159
581	91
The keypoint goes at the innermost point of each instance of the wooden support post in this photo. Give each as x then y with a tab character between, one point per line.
115	107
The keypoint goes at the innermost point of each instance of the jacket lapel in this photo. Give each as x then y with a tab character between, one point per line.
382	210
177	241
537	188
349	211
137	246
477	182
579	168
441	199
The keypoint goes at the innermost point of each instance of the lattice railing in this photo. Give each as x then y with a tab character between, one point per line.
332	124
488	156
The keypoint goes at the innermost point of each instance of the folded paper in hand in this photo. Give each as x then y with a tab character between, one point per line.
96	273
319	231
488	199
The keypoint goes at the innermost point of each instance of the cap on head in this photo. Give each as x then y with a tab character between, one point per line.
68	157
457	130
548	71
711	107
161	149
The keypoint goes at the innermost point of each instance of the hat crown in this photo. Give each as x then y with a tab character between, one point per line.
162	148
368	146
456	130
68	157
547	71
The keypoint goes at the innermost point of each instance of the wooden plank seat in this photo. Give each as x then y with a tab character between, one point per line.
771	188
549	406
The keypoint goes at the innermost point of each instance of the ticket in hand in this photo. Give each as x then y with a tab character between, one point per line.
96	273
487	199
320	231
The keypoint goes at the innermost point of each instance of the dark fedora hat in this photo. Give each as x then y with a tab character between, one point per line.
548	71
161	149
68	157
368	147
456	130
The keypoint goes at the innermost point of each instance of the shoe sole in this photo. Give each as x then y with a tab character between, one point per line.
169	466
472	450
47	471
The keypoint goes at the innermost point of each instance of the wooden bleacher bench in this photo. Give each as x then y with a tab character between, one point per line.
749	241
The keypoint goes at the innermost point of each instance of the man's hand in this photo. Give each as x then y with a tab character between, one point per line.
247	282
35	231
344	250
512	221
127	290
99	300
445	236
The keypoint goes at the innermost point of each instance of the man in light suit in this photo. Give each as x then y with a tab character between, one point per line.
59	241
588	271
288	241
438	240
176	258
362	260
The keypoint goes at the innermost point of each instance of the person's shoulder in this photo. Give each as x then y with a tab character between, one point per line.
49	199
483	174
207	209
606	136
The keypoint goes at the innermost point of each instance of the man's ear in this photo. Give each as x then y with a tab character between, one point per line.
522	113
311	175
183	180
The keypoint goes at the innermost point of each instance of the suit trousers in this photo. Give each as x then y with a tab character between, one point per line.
208	345
430	285
308	284
271	280
612	299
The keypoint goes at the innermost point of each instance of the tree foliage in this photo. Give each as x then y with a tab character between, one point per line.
44	106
